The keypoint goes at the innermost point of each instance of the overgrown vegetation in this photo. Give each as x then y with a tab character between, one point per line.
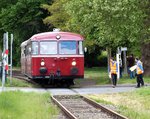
23	18
19	105
134	105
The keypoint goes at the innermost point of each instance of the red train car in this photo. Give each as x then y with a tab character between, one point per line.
53	56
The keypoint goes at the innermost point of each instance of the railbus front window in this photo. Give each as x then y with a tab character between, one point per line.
68	47
48	47
35	48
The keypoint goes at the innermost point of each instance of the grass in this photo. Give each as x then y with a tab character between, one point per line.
17	83
20	105
134	105
100	76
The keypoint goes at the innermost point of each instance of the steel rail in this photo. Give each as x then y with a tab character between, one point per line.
91	102
25	79
105	109
31	81
65	110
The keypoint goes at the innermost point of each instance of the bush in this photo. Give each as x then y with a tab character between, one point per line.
102	59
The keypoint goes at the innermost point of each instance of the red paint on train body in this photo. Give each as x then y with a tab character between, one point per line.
53	54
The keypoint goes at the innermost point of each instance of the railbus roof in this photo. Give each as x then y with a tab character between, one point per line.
23	44
52	36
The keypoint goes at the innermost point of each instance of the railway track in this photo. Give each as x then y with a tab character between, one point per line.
18	75
40	83
26	79
80	107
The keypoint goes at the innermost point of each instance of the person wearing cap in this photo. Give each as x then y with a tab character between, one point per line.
113	71
139	72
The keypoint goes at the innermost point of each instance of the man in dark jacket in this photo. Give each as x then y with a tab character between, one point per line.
131	62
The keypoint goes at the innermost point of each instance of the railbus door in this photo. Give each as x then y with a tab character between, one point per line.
28	65
48	52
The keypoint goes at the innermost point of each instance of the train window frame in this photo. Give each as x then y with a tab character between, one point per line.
80	47
64	53
36	50
54	52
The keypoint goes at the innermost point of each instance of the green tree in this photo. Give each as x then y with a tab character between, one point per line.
4	4
145	44
113	23
57	17
108	23
23	19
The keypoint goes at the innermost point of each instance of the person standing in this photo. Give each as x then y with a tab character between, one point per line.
113	71
131	62
139	72
120	65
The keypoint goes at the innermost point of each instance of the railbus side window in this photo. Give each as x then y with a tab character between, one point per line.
22	52
80	47
28	50
35	48
68	47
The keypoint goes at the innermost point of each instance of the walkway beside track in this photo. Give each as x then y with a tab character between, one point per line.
84	90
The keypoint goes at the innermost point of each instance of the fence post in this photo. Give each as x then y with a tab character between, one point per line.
11	43
3	62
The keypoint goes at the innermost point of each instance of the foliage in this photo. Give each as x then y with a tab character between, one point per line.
91	56
57	14
4	4
102	59
146	28
23	19
108	23
112	23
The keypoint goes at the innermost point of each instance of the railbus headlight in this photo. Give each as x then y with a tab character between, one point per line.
74	63
42	63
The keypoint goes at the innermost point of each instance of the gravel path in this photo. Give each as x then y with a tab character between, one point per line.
65	91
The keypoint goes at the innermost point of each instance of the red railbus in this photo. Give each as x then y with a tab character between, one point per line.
56	56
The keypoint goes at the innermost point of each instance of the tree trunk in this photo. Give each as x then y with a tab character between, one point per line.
0	54
108	58
146	58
